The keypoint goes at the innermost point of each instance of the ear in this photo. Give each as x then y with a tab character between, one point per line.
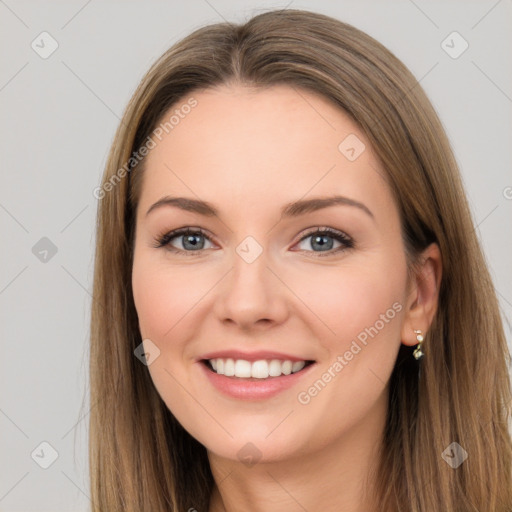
422	295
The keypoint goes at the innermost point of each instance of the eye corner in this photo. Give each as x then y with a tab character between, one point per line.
346	241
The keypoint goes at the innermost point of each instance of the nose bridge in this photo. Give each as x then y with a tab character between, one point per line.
250	262
250	292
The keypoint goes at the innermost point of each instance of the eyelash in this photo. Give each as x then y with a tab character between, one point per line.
164	239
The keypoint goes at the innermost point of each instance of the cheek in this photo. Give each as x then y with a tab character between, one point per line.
161	297
352	299
153	302
162	300
363	307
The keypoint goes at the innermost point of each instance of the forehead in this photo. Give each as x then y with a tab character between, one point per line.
251	146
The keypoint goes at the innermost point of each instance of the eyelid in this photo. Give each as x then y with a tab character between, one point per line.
163	240
346	241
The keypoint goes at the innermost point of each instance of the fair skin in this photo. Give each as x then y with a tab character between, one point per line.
249	153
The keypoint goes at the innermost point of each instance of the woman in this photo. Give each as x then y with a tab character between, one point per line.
233	367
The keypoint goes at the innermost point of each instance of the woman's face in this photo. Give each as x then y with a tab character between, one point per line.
257	291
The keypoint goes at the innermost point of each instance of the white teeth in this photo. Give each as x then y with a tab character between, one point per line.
260	369
229	368
286	368
242	368
274	369
298	365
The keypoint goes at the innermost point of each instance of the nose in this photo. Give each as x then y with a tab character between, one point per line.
251	295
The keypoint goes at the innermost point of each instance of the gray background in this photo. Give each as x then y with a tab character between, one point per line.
58	118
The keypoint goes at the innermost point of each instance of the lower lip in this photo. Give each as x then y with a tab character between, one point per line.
253	389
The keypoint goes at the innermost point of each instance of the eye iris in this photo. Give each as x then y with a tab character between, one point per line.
192	239
323	244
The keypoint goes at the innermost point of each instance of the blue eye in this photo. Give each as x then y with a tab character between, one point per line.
322	239
190	240
193	241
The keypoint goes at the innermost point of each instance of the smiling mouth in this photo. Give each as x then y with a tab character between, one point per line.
254	370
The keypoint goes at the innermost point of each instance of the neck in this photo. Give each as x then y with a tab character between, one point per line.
340	477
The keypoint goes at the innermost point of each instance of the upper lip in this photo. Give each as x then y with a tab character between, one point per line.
252	356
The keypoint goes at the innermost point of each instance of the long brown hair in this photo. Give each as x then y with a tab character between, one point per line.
141	459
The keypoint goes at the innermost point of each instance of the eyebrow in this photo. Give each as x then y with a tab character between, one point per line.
294	209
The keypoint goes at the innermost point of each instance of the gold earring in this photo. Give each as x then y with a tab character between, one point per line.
418	353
